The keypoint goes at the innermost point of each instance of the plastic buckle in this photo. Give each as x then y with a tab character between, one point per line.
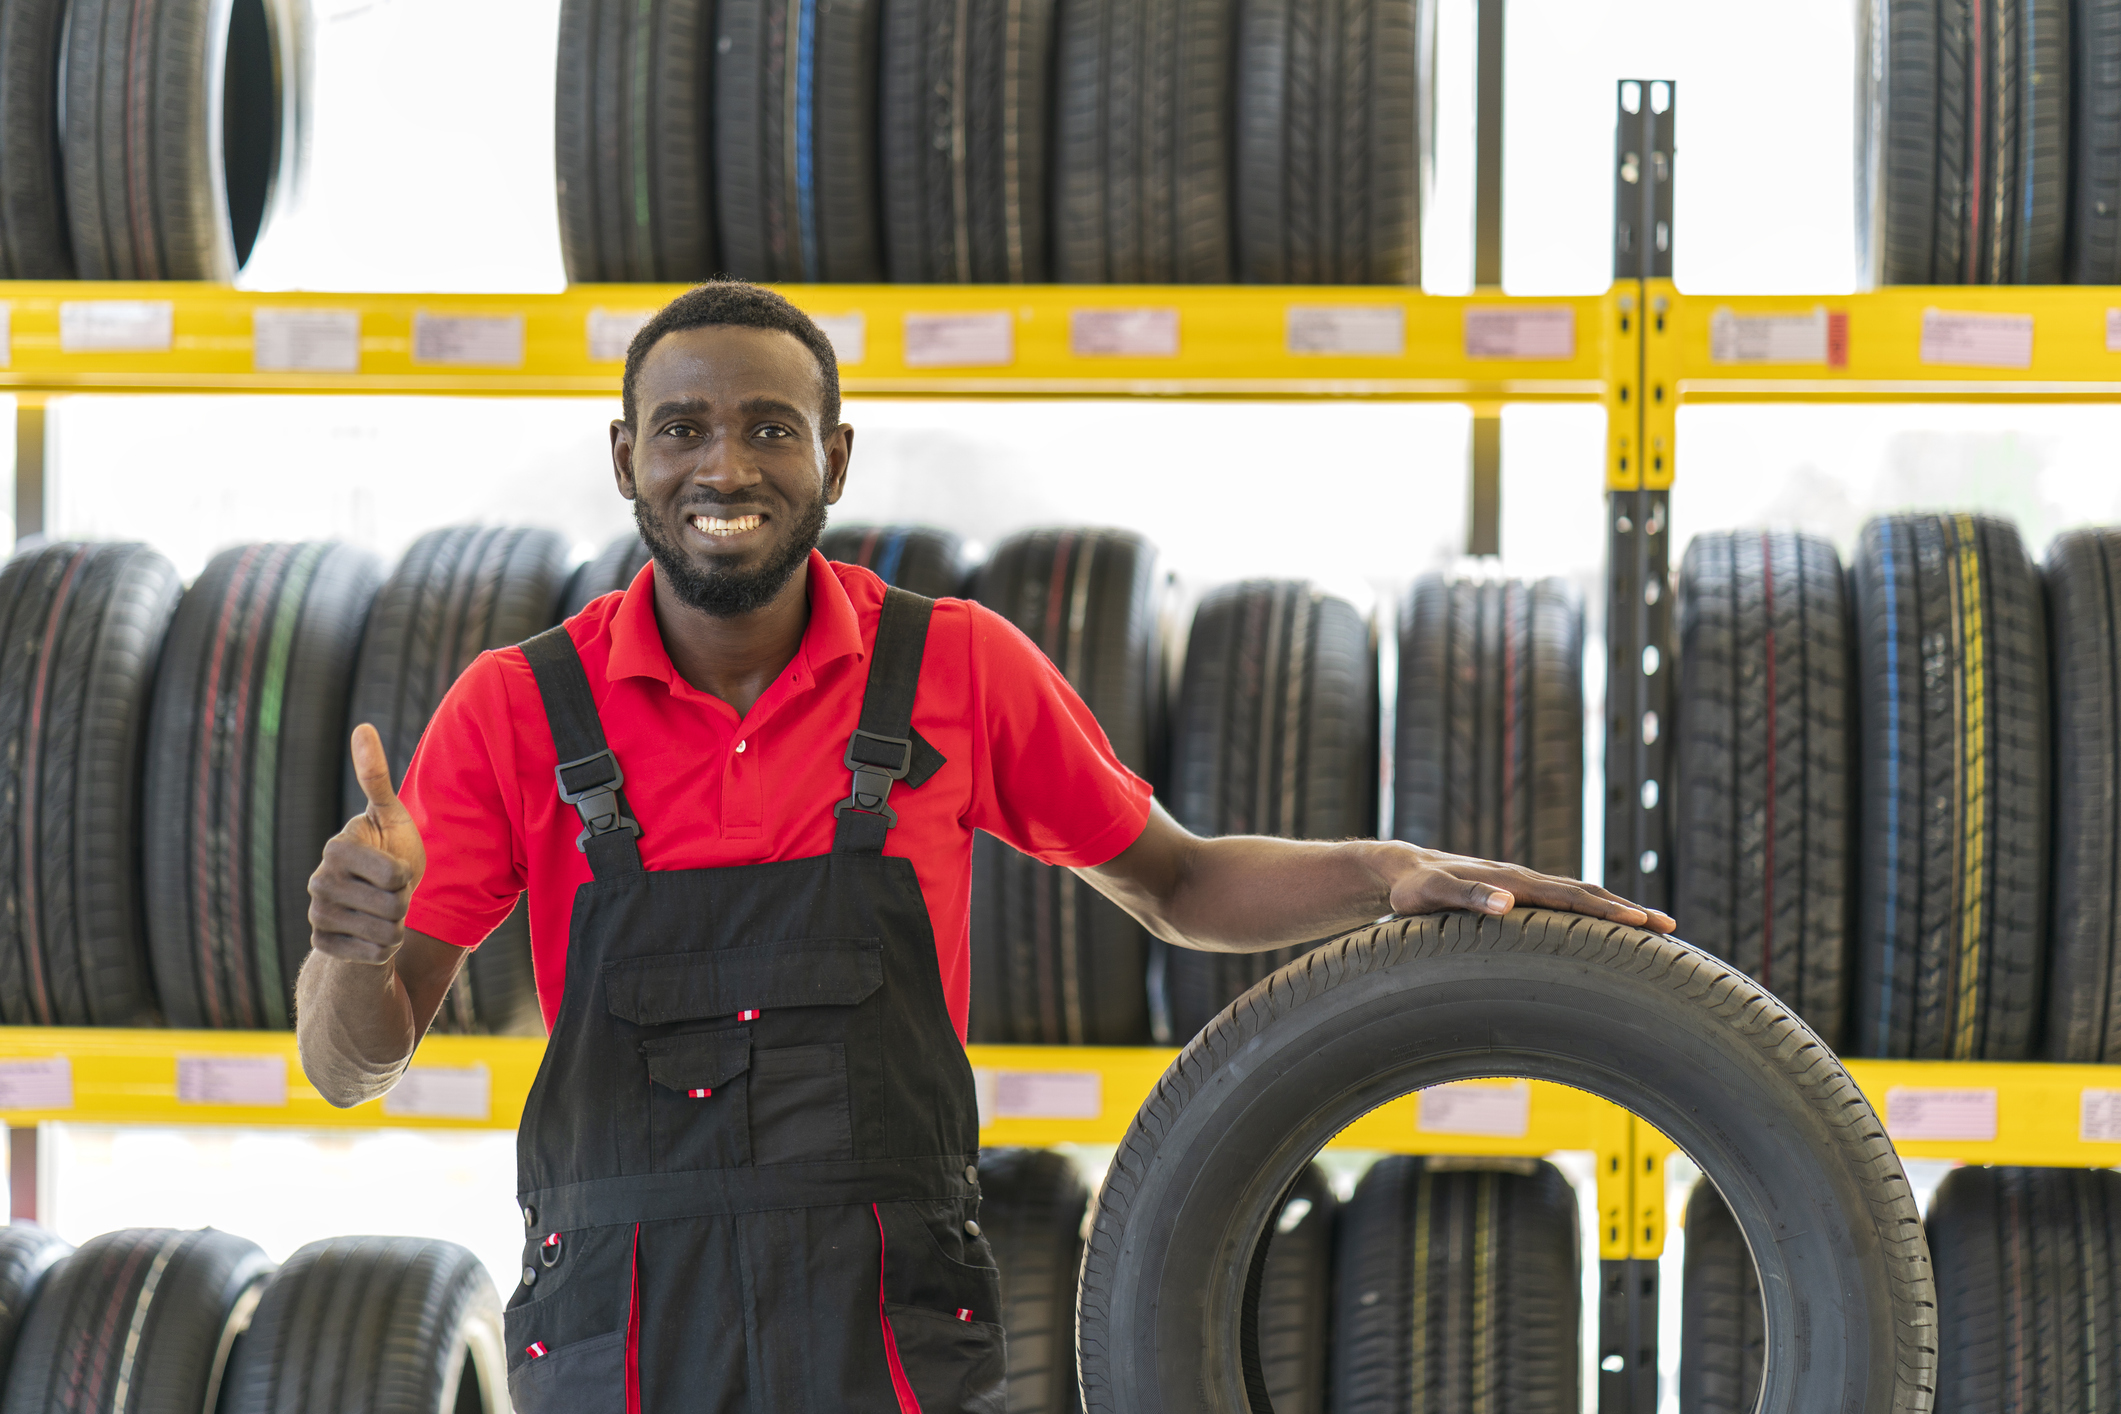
598	804
897	773
872	783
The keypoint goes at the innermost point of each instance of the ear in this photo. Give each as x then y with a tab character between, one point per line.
622	457
839	451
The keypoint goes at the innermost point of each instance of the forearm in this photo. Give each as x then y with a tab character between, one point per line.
354	1027
1247	893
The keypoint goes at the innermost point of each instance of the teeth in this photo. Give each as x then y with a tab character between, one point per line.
712	525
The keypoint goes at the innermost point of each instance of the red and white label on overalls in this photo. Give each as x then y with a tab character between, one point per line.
553	1241
535	1349
964	1313
699	1094
747	1016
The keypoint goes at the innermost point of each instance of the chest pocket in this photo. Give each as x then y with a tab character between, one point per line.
772	1090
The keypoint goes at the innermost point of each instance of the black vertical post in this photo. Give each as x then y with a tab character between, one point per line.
29	467
1487	146
22	1173
1484	506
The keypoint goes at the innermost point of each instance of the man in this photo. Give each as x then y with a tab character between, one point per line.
747	1164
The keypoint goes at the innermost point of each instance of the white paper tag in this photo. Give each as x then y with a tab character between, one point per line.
1779	338
849	334
1977	340
1538	331
1038	1094
960	340
7	336
2099	1117
1347	329
442	1092
611	332
305	340
37	1084
2113	331
116	325
232	1080
1920	1113
1477	1107
1125	333
475	340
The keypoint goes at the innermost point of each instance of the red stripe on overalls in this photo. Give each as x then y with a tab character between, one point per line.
633	1330
900	1385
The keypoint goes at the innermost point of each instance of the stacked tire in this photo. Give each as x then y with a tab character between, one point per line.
917	558
1031	1211
1275	733
458	593
1722	1330
611	571
1054	962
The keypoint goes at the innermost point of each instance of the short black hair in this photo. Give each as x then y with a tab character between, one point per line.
747	306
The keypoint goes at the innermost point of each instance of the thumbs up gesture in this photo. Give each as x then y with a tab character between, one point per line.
362	887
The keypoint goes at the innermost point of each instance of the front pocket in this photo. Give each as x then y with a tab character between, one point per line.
799	1111
698	986
587	1377
954	1366
698	1112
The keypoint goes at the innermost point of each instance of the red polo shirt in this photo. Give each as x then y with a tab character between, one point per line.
1026	762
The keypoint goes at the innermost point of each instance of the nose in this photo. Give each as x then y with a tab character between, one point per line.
727	465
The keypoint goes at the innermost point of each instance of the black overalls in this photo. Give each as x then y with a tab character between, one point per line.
747	1163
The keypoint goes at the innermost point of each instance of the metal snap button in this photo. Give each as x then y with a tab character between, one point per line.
530	1276
971	1228
530	1217
549	1254
971	1174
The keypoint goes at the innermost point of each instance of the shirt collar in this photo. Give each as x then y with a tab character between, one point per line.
637	641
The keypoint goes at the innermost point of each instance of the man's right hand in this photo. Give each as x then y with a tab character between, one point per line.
359	894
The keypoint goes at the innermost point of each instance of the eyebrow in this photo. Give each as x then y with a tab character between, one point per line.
756	407
751	407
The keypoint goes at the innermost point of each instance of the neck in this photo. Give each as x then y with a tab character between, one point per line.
735	659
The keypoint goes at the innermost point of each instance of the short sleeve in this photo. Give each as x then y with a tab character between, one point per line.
1052	786
460	789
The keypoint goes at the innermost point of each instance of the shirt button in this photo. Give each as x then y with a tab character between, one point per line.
971	1229
740	748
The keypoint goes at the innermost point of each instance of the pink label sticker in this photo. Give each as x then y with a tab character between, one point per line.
1123	333
1508	331
1915	1112
1477	1107
37	1084
960	340
1973	340
1038	1094
232	1080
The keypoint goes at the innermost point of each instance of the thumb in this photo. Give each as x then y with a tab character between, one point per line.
1486	898
372	770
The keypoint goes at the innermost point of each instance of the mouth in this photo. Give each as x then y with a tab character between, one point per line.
723	530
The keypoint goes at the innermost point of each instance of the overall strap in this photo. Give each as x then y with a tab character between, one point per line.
588	774
882	749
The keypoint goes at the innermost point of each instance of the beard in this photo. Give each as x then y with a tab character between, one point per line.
727	594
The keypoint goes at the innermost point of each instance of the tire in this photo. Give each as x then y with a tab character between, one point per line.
1460	1287
354	1324
611	572
1054	962
137	1322
2084	624
927	562
34	240
1952	685
632	146
1489	738
1031	1209
2095	143
27	1254
81	626
218	90
798	205
1902	142
1328	149
2026	1280
1721	1338
1296	1298
245	738
1762	730
1142	142
1275	734
1645	1021
459	592
963	130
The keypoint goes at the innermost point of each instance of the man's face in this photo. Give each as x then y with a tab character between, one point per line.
728	470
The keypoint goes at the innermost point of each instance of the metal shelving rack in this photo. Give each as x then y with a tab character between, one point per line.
1641	350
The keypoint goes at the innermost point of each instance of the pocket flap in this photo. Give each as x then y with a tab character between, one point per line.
705	1060
650	991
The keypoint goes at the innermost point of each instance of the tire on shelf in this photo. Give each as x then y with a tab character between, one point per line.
1142	143
1031	1210
1335	111
2028	1263
1458	1278
917	558
2095	143
1054	962
27	1254
1951	650
612	571
1489	740
35	242
245	738
353	1324
1275	733
219	89
801	204
963	133
1296	1297
457	593
2083	575
631	140
1762	731
1643	1020
1721	1337
81	627
155	1310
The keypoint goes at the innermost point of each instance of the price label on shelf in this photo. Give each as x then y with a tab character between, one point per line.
1819	337
1510	331
116	325
1973	340
468	340
611	332
1501	1110
1378	329
37	1084
1918	1112
1123	333
441	1092
2099	1116
1038	1094
305	340
849	334
232	1080
2113	331
960	340
7	338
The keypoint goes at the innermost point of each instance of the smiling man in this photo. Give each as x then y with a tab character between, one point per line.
740	796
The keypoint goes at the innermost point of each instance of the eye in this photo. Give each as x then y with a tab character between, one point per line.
774	430
679	429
